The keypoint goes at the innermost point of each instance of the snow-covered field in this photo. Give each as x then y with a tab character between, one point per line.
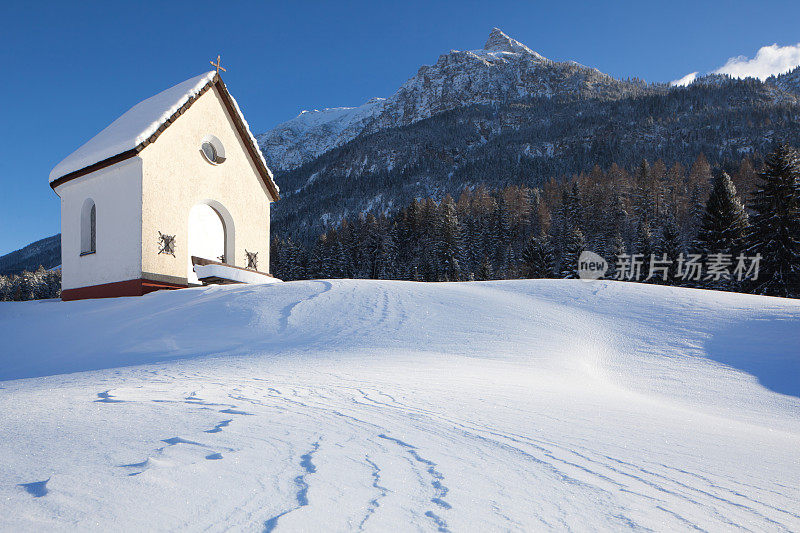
347	405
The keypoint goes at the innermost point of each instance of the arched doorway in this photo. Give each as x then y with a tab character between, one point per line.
210	236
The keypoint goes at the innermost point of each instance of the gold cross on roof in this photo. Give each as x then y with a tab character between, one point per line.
217	64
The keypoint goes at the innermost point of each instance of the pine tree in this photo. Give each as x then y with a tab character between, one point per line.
293	261
500	235
369	247
618	249
318	261
644	201
646	247
54	283
387	256
574	207
485	270
568	232
276	258
340	267
723	227
349	247
23	287
508	264
537	257
574	245
448	245
697	186
425	226
775	230
615	226
41	290
672	246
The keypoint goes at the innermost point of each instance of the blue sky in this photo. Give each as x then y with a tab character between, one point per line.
71	68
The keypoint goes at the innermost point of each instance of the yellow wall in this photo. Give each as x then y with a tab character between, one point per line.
176	176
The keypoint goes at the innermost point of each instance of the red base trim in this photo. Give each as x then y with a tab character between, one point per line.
133	287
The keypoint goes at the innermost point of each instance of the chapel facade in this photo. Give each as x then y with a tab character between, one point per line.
174	193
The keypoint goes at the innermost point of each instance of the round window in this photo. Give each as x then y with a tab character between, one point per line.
212	149
209	151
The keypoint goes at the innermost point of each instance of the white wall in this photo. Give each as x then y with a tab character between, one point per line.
117	194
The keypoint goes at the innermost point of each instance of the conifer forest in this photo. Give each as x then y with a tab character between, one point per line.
677	215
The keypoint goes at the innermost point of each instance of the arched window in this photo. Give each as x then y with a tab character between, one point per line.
88	227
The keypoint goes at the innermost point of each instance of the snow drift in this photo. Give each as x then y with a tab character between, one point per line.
342	405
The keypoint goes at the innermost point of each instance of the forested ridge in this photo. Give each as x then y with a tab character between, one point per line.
655	209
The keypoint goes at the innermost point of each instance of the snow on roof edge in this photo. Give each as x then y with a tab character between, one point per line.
132	127
253	140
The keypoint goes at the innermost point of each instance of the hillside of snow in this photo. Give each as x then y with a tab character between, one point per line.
380	406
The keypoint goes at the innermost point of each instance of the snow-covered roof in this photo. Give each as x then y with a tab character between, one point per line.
142	121
133	127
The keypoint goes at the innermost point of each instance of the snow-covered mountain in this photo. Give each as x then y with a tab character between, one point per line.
504	115
45	252
341	405
312	133
503	70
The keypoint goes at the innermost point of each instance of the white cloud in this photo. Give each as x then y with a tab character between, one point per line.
686	80
769	60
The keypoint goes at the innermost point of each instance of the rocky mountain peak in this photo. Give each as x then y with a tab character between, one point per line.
500	42
503	70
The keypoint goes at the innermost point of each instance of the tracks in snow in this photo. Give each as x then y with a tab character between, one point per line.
302	488
158	458
436	481
392	436
374	503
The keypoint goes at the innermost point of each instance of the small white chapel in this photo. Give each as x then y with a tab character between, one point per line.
174	193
